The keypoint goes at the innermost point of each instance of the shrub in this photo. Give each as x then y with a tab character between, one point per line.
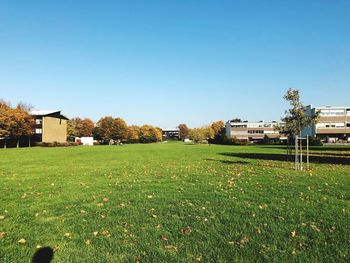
271	141
56	144
235	141
315	141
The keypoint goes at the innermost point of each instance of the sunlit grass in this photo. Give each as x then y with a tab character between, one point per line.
172	202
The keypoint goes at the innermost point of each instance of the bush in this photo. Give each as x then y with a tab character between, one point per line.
315	141
235	141
270	141
56	144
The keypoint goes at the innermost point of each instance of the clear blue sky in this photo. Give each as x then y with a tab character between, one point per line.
170	62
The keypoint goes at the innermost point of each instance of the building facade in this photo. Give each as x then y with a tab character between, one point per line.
171	134
333	123
50	126
253	131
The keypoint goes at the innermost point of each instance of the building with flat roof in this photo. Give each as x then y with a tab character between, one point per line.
253	131
50	126
333	123
171	133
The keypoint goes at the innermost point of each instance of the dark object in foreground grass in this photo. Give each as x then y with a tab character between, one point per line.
43	255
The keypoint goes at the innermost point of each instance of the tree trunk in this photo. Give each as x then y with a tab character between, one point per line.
301	153
296	152
17	142
29	142
5	144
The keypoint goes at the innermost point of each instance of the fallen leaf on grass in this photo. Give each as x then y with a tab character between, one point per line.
95	233
293	233
186	231
88	242
315	228
243	241
170	248
164	238
105	199
67	234
332	229
198	258
100	204
264	249
22	241
2	217
38	246
106	233
82	211
263	206
2	234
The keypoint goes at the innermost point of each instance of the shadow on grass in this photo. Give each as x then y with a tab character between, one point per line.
285	158
43	255
227	161
340	154
340	148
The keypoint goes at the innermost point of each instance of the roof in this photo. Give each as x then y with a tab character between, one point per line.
328	107
256	122
332	107
43	112
171	130
47	112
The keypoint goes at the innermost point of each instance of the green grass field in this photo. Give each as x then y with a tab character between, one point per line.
174	203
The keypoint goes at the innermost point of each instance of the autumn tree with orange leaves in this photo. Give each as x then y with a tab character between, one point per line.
22	123
83	127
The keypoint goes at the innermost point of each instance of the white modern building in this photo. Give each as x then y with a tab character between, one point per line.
253	131
171	133
333	123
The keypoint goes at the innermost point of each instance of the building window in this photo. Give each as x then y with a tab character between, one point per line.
38	131
331	125
332	112
255	131
340	125
38	121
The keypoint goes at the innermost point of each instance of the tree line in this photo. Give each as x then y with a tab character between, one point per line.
115	130
214	133
110	130
15	122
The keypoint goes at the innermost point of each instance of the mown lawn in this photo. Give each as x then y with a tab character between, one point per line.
174	203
